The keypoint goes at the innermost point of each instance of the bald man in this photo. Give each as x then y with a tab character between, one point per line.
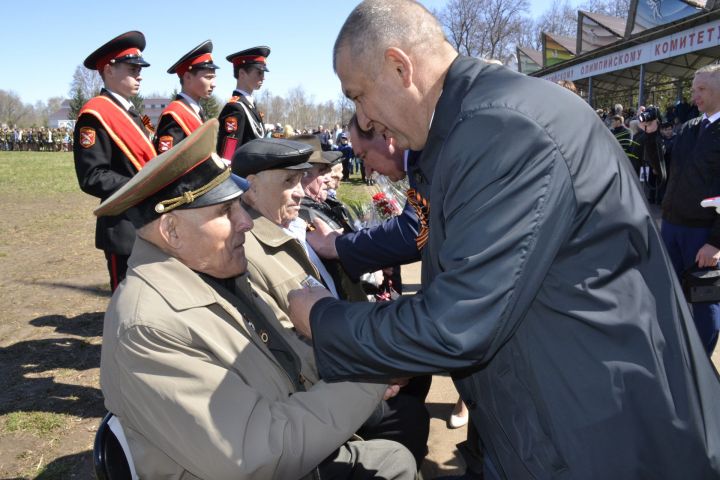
546	291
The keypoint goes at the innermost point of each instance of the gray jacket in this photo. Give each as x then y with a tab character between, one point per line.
546	292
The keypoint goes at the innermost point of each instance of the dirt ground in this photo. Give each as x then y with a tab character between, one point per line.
53	292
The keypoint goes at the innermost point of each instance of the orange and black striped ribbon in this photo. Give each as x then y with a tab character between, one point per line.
422	209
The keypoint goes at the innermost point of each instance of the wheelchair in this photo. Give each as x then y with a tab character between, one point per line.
111	455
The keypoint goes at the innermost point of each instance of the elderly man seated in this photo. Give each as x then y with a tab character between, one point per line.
279	261
205	381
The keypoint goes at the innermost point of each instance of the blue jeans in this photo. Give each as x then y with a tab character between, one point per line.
682	244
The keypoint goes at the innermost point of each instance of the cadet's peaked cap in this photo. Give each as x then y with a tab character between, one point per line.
190	175
270	154
332	156
314	142
251	56
125	48
197	58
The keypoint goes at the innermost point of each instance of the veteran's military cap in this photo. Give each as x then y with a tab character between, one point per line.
125	48
197	58
332	156
314	142
189	175
252	56
270	154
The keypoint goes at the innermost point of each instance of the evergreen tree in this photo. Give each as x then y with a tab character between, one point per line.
77	100
211	106
138	102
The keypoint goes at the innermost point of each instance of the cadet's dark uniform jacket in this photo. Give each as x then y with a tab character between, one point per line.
240	122
103	164
177	121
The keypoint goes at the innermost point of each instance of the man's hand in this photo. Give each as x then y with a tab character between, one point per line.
394	387
649	127
322	240
301	302
707	256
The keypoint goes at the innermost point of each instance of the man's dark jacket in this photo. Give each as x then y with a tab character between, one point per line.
545	291
390	243
694	175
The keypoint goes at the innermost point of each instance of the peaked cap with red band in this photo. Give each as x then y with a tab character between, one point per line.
125	48
251	56
197	58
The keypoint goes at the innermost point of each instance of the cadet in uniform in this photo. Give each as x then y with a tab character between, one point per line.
240	120
183	115
111	143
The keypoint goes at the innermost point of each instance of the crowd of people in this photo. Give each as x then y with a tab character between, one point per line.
242	342
36	139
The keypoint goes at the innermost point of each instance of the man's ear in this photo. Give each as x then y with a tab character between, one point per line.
401	63
169	231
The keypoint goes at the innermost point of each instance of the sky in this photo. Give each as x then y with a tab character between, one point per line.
42	43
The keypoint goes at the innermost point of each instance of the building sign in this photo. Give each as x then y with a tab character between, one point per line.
690	40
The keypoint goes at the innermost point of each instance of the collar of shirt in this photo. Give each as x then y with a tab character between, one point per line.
123	101
195	106
246	95
297	229
713	117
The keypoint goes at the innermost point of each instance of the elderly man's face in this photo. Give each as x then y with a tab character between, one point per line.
212	238
384	103
379	155
335	176
277	195
315	182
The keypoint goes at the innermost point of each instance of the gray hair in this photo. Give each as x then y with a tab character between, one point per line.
712	70
375	25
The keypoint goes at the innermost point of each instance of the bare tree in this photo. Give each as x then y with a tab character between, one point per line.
88	81
560	19
613	8
12	109
85	85
483	28
345	109
461	19
527	34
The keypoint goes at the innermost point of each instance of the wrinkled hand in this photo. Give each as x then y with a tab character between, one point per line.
322	239
649	127
301	302
394	387
707	256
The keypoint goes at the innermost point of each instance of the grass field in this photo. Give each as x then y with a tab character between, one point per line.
54	172
36	172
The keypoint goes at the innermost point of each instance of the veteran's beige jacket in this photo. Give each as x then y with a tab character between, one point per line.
277	262
197	392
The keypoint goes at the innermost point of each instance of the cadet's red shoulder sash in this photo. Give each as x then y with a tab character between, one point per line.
122	129
184	115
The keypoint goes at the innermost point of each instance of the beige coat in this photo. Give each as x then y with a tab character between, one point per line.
198	393
277	262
